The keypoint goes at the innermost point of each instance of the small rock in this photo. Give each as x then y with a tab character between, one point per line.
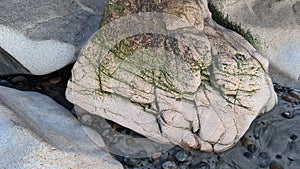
246	142
288	98
288	114
169	165
54	80
252	148
131	161
203	165
86	119
181	155
294	137
5	83
107	133
46	84
248	155
264	159
18	79
130	142
295	94
275	165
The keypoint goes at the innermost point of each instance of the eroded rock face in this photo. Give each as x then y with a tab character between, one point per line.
178	77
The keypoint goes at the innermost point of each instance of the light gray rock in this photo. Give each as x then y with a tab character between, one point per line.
45	36
36	132
200	91
276	24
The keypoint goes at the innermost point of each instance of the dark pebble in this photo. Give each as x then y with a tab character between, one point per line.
5	83
131	161
264	159
294	137
246	142
202	165
290	159
288	114
295	94
275	165
289	99
278	156
169	165
248	155
54	80
181	155
252	148
18	79
183	167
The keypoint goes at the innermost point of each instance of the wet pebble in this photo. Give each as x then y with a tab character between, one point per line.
46	84
248	155
107	133
294	137
246	142
5	83
130	142
181	155
295	94
288	98
203	165
264	159
252	148
275	165
288	114
169	165
18	79
54	80
131	161
86	119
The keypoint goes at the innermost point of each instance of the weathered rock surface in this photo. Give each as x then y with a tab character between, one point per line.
36	132
45	36
178	77
276	24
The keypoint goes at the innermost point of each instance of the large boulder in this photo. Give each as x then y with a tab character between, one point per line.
276	25
36	132
44	36
174	75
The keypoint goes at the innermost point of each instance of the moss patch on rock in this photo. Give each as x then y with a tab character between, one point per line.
219	17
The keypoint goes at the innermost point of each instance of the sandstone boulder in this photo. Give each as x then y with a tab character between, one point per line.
172	74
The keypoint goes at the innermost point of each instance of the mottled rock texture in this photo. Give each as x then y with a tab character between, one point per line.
45	36
173	76
275	24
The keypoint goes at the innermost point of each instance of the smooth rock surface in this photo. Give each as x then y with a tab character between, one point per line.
36	132
200	87
276	24
45	36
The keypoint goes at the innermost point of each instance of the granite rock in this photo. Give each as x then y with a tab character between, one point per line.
36	132
276	25
186	80
44	36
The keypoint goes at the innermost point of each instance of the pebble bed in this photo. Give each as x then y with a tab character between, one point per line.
271	142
